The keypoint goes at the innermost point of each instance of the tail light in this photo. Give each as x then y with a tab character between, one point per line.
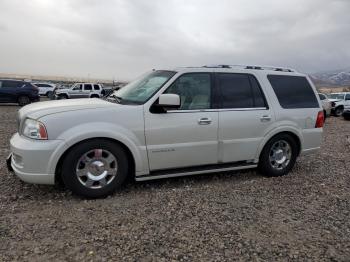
320	120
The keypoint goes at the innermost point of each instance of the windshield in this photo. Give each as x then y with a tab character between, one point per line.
142	89
336	96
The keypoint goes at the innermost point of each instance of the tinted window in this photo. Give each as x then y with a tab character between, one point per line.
293	91
259	98
12	84
96	87
322	97
240	91
194	90
347	97
88	87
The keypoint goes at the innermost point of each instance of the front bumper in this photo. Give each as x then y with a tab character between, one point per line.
31	160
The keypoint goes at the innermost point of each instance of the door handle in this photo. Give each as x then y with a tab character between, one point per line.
265	118
204	121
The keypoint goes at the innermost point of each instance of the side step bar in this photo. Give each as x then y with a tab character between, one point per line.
195	171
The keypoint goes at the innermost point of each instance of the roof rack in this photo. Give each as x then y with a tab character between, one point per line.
254	67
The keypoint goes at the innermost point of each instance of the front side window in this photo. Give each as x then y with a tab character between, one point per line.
336	96
293	91
240	91
194	90
96	87
142	89
78	87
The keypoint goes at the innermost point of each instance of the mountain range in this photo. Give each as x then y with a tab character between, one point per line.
332	78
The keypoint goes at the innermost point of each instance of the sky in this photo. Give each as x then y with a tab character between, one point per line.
121	39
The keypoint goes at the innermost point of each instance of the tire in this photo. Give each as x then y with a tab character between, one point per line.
94	96
267	166
23	100
338	111
63	96
84	169
49	94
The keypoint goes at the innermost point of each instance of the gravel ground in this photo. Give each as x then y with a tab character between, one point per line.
223	217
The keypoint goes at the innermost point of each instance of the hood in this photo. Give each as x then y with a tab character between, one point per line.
40	109
62	90
334	100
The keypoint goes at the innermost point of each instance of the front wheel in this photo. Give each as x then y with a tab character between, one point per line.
95	168
338	111
278	156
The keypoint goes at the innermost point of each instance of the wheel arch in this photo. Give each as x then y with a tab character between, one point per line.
130	155
290	131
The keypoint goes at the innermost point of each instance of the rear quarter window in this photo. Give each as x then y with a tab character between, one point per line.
293	91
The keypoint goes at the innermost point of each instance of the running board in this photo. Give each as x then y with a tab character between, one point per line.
195	171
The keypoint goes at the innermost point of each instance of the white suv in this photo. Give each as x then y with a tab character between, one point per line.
171	123
339	101
46	89
80	90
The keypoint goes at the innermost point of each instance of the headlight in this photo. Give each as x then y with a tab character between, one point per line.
34	129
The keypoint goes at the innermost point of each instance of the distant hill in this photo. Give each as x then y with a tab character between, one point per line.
332	78
55	78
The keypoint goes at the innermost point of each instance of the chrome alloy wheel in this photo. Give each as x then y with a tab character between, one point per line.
96	168
280	154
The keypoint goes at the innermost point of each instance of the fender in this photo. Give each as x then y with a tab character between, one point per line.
278	128
95	130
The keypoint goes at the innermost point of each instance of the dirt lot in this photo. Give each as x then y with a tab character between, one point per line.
232	216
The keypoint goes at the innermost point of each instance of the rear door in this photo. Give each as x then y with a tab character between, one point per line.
347	100
244	117
87	90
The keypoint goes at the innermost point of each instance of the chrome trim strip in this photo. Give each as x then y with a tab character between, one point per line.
217	110
145	178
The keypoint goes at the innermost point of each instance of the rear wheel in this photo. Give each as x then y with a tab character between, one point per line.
278	156
95	168
23	100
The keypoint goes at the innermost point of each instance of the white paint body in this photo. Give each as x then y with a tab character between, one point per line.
175	139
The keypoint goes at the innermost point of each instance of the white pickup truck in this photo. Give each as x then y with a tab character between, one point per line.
339	102
80	90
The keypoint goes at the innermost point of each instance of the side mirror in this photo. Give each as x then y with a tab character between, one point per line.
169	101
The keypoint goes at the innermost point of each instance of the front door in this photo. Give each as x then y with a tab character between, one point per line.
187	136
76	91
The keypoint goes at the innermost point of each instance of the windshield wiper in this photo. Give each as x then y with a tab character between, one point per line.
118	99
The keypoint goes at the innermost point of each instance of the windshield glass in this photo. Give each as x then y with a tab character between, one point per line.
142	89
336	96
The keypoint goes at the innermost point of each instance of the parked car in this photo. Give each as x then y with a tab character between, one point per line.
170	123
346	113
46	89
326	104
16	91
80	90
339	101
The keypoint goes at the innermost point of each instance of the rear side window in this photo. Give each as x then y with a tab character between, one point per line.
347	97
293	91
88	87
240	91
